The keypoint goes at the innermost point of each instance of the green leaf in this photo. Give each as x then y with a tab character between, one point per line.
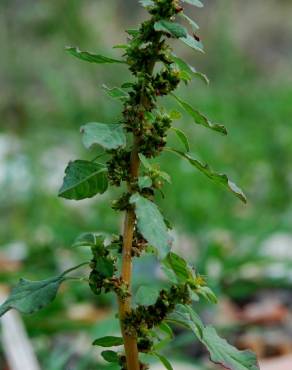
174	29
105	266
188	71
83	179
90	239
218	178
208	294
144	182
145	162
133	32
164	361
169	273
193	24
89	57
108	136
179	267
146	295
146	3
150	117
166	329
193	43
108	341
31	296
128	85
182	137
120	46
196	3
199	118
194	296
151	224
223	353
110	356
164	175
116	92
158	346
186	317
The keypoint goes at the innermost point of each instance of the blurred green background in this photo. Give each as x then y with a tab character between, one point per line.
45	97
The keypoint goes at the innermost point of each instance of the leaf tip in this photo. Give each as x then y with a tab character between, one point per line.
70	49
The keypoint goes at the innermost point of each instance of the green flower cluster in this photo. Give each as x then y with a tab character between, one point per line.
165	8
103	268
140	114
143	318
153	139
147	317
118	167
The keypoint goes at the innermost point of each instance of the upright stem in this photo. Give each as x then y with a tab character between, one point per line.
130	340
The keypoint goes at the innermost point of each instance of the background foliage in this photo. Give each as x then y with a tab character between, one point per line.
46	95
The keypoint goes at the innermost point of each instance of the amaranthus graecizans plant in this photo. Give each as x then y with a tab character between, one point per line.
130	146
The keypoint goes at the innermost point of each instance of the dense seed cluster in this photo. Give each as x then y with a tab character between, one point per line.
154	138
119	167
143	318
141	115
103	268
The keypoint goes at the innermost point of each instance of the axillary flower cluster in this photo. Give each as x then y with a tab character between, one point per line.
129	147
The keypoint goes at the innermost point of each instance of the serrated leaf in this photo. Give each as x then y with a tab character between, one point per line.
223	353
193	24
108	341
179	267
199	118
174	29
151	224
185	316
146	295
31	296
115	92
188	71
182	137
193	43
218	178
196	3
90	57
83	179
164	361
108	136
110	356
